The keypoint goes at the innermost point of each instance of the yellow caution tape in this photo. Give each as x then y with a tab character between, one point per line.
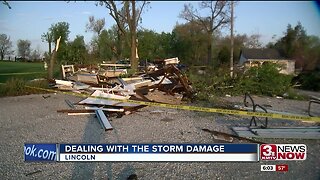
194	108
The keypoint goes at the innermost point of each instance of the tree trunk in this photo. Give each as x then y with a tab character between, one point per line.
209	49
49	48
2	56
119	46
51	65
133	34
134	60
232	43
50	69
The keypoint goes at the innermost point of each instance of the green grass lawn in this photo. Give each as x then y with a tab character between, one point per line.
21	70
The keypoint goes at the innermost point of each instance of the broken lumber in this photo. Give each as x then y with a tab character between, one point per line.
62	82
105	109
88	110
103	120
98	93
77	114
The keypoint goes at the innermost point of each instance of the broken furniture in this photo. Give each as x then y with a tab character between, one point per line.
112	70
67	70
254	108
85	77
264	131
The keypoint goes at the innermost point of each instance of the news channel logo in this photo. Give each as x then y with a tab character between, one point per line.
283	152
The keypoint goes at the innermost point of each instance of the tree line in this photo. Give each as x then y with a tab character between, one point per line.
196	42
24	51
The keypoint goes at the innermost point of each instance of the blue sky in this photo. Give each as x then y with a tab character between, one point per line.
28	20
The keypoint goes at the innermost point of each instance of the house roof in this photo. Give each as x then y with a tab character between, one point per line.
261	54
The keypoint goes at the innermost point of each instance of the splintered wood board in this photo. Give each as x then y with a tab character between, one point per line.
97	101
282	132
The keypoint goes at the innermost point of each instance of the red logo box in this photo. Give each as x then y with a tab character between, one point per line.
268	152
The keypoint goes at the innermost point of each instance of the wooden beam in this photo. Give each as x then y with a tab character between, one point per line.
103	120
105	109
90	109
77	114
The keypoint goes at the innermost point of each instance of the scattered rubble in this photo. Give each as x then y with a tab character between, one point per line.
104	82
107	87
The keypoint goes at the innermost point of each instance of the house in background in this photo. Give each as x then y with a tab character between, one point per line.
257	57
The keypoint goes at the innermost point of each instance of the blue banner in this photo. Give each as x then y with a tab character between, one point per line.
158	148
40	152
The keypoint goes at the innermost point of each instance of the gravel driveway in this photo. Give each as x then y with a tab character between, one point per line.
33	118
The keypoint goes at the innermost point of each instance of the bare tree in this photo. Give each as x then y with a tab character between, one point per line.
5	46
127	14
6	4
95	26
219	16
253	41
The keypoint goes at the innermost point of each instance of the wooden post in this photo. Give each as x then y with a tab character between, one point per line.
53	56
231	51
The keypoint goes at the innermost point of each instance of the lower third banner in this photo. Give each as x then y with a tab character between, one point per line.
158	152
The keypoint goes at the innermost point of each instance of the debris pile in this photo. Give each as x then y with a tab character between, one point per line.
105	85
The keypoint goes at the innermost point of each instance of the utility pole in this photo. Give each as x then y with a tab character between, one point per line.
231	51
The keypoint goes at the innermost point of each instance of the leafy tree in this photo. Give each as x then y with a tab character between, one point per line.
57	30
5	46
224	55
312	53
24	48
297	45
190	42
148	44
166	46
222	46
47	37
108	45
60	29
218	16
292	40
76	51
